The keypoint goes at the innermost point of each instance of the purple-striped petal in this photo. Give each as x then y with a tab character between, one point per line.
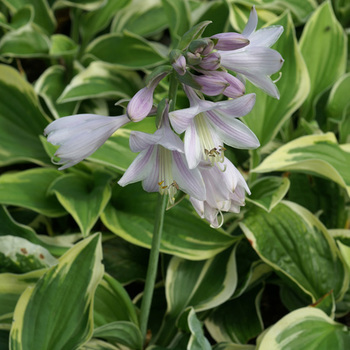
251	24
193	149
140	168
266	36
188	180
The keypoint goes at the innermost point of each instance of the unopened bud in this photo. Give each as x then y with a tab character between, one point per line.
193	59
230	41
203	46
211	62
211	85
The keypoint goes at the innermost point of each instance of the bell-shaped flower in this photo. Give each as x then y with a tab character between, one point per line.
225	191
141	104
256	61
161	164
209	125
81	135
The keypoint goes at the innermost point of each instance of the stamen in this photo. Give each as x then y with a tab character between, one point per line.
279	77
211	152
166	183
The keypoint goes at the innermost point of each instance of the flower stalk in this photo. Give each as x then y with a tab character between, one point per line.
152	264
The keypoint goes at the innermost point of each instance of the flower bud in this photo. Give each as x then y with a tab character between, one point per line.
211	85
211	62
141	104
230	41
180	65
203	46
193	59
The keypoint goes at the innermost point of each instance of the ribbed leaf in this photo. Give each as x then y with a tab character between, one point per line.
101	80
323	46
21	120
42	14
122	333
50	86
314	154
204	285
11	288
134	52
267	192
237	320
306	328
19	255
338	100
56	314
112	303
83	196
184	233
28	189
296	245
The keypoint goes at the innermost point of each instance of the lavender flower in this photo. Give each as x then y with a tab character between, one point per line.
208	125
225	191
81	135
161	165
256	61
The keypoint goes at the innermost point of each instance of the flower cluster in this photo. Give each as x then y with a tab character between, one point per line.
197	164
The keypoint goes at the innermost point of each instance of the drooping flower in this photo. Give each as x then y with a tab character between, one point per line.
161	164
81	135
209	125
256	61
225	191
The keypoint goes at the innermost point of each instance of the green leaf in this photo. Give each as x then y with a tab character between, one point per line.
204	285
112	303
232	346
83	196
134	52
18	255
267	192
288	239
338	101
179	17
88	5
50	86
11	288
21	120
197	341
96	344
101	80
323	46
43	15
62	45
322	197
95	21
306	328
145	18
126	262
115	152
55	245
121	332
26	42
28	189
66	291
192	34
314	154
270	114
184	233
237	320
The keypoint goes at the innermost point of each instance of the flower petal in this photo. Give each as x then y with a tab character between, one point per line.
141	140
189	180
251	24
253	60
193	150
139	168
266	36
